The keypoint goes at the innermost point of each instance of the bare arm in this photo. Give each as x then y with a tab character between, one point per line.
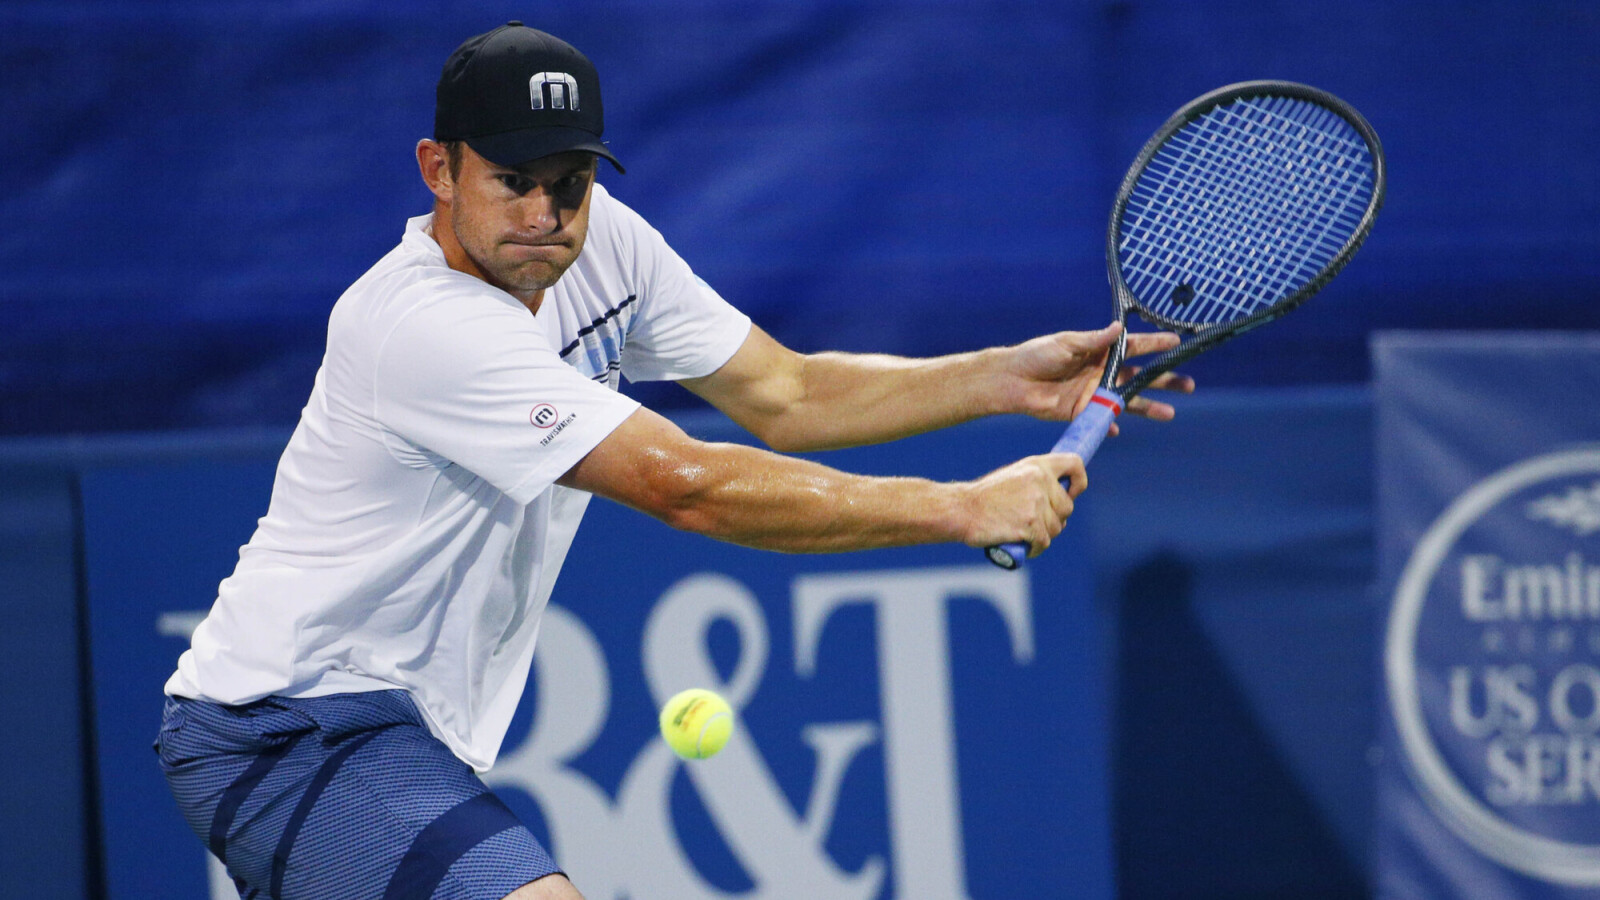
822	401
761	499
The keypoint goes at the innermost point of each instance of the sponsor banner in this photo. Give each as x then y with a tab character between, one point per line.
911	724
1489	532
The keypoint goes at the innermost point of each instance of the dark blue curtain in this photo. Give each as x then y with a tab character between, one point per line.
193	184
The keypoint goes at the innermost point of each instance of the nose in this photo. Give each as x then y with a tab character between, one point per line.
541	213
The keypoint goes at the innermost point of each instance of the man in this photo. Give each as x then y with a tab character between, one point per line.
365	657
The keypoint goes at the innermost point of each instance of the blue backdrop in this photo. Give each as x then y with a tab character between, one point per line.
197	181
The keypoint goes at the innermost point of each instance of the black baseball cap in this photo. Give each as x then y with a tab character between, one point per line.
515	94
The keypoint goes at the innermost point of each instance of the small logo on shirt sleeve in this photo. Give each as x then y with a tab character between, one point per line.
545	416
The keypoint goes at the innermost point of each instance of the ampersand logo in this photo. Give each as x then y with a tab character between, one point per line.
783	849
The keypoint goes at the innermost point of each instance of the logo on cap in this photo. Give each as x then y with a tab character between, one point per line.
558	90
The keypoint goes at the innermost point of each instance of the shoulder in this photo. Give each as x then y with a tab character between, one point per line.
415	275
622	241
412	288
614	222
606	210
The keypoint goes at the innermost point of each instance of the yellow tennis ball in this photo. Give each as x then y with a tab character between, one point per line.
696	723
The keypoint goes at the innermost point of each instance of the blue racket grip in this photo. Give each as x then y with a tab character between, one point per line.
1082	437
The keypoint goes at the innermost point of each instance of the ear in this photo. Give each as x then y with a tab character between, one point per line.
434	164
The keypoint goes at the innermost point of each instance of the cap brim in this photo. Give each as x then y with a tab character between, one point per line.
513	148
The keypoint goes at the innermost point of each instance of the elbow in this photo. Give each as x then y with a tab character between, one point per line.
780	441
683	511
694	521
789	434
652	467
678	490
712	494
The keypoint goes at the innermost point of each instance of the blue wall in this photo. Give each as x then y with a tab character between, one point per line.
47	809
203	178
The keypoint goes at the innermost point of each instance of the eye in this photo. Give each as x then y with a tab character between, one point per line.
516	184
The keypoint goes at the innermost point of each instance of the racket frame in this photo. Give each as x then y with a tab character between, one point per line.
1089	428
1204	337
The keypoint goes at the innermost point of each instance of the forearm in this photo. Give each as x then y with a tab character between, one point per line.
850	400
761	499
772	502
822	401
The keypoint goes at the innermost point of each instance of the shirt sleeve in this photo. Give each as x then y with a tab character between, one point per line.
684	329
474	380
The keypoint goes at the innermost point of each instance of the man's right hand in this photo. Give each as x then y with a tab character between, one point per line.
1025	501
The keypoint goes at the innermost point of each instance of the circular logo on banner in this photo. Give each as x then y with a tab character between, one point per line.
1492	660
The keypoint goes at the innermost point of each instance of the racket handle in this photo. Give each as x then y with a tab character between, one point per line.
1082	437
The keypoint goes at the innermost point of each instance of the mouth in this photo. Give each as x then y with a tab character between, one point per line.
537	249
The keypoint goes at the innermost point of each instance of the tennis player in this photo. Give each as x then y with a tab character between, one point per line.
324	732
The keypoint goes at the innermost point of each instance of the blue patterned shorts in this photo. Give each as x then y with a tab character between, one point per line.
344	796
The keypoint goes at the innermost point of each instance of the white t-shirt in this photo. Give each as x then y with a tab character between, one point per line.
415	530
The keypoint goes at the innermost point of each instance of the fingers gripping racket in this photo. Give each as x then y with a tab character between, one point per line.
1243	205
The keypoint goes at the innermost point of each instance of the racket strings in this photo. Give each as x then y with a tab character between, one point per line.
1289	215
1206	168
1199	161
1339	215
1243	206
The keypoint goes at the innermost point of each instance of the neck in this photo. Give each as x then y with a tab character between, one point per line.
459	259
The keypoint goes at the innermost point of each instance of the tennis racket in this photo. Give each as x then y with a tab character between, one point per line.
1241	207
